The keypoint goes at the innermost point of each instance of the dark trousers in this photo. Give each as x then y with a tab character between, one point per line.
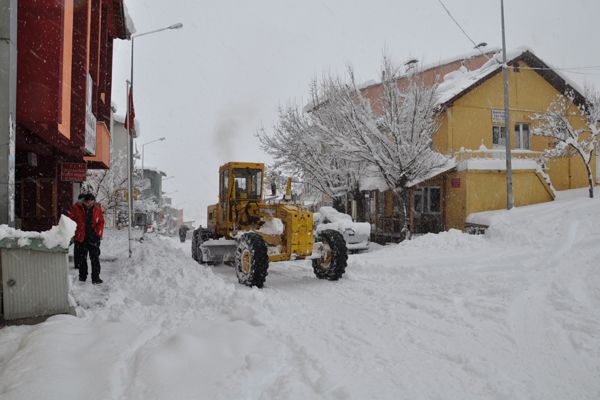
82	249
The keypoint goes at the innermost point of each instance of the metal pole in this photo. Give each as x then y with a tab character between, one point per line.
142	184
131	163
128	169
130	151
8	110
509	186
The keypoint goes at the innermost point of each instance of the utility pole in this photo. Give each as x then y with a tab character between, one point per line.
128	121
509	185
8	119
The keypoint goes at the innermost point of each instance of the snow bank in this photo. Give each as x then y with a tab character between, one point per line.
536	225
59	235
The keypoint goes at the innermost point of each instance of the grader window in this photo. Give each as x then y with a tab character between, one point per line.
224	185
248	183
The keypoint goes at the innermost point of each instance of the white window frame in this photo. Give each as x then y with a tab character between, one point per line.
502	138
425	194
519	131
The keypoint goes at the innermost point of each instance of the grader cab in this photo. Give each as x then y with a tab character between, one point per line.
244	230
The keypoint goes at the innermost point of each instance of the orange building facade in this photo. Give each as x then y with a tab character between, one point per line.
63	102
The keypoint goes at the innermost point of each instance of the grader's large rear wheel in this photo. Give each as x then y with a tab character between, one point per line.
251	260
333	262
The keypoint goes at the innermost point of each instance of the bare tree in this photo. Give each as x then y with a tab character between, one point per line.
109	185
556	123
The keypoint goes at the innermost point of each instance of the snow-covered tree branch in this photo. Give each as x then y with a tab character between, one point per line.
557	123
299	149
108	185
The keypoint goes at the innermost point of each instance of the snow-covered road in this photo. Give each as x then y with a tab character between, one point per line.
514	314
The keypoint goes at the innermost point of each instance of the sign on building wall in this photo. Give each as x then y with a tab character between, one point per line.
90	119
498	116
73	172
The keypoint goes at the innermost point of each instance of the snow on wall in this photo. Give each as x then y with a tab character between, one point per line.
485	164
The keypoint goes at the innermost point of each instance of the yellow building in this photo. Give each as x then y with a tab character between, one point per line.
472	132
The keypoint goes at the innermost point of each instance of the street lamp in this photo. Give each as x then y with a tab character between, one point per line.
143	146
509	183
130	143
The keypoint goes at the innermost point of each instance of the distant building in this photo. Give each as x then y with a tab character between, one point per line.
151	187
171	219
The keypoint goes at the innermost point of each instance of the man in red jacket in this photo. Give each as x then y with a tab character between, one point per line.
90	228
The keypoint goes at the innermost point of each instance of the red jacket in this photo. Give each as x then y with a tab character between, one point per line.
77	214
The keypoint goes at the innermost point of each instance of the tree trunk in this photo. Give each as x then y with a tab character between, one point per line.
405	209
358	197
590	179
402	199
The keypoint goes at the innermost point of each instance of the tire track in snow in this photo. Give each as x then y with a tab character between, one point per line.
537	334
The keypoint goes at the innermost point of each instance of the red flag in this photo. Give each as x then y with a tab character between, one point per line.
130	117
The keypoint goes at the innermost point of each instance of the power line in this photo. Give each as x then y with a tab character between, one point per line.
573	70
461	28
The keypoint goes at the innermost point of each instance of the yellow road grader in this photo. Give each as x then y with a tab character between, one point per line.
245	230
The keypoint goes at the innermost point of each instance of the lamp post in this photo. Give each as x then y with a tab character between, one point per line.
130	152
143	148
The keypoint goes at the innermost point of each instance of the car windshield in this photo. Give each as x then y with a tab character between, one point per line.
248	183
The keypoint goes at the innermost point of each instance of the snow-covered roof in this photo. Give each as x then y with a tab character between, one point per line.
371	179
120	119
458	82
128	20
155	170
451	164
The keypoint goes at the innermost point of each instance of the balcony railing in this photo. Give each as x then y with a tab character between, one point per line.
463	155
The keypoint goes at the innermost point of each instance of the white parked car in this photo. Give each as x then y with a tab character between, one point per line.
356	234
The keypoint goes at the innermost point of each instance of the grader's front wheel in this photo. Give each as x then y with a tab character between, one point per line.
332	264
251	260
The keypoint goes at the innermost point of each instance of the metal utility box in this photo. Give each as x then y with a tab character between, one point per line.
34	280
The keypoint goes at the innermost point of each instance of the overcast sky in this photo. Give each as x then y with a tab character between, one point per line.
209	86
